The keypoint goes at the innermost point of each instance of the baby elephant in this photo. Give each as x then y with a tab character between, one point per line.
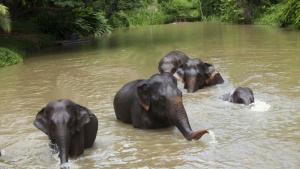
241	95
154	103
68	125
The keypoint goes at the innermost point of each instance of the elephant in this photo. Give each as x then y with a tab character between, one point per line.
196	74
154	103
171	61
241	95
68	125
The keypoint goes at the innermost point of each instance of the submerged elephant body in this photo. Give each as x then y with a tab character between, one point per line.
68	125
241	95
154	103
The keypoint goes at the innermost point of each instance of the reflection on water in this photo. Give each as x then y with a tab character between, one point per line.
263	58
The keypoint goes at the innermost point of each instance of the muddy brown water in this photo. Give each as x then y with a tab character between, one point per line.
261	57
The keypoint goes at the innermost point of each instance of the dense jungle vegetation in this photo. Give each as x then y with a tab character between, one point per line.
27	25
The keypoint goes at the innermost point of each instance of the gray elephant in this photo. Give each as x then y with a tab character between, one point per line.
172	61
196	74
241	95
68	125
154	103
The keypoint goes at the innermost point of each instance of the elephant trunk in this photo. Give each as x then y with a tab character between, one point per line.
63	141
191	84
180	119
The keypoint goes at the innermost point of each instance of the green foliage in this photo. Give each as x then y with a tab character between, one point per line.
21	46
119	19
90	22
272	15
8	57
181	9
230	11
210	7
290	13
4	18
57	23
68	3
110	7
67	24
283	14
146	16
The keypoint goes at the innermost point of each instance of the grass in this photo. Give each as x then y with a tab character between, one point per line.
145	16
270	17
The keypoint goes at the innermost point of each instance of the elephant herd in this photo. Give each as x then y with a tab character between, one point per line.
146	103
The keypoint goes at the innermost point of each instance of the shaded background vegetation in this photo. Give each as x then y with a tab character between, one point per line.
71	19
39	23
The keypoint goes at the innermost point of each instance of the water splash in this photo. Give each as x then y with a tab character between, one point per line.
213	137
260	106
65	165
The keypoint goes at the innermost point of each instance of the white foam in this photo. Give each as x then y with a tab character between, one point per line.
65	165
213	137
2	152
260	106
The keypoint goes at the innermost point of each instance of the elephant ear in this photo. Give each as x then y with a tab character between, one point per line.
41	121
209	68
144	95
83	117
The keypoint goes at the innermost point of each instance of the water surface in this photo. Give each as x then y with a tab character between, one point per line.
263	58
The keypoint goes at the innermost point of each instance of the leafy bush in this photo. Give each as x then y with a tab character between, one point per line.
231	12
57	23
146	16
290	13
90	22
272	15
119	19
210	7
181	9
66	24
8	57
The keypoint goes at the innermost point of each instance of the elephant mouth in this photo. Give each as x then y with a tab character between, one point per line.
211	77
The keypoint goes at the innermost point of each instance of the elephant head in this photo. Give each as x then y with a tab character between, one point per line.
192	74
60	120
241	95
196	74
160	97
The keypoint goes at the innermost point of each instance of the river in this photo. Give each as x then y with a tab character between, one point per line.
264	135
